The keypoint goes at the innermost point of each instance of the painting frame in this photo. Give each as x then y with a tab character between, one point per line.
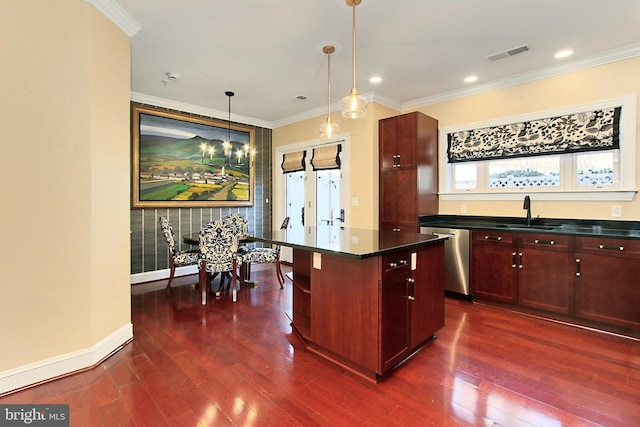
184	160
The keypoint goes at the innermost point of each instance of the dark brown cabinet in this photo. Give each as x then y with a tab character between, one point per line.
408	161
545	272
369	314
412	301
494	273
607	281
529	270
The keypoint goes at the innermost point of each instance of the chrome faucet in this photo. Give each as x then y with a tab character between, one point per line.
527	206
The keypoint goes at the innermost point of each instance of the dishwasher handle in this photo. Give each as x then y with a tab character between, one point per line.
443	234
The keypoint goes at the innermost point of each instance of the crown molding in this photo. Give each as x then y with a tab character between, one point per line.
194	109
614	55
117	15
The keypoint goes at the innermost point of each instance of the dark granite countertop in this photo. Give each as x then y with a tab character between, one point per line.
348	242
576	227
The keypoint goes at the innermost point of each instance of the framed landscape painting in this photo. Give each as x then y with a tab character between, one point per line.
186	161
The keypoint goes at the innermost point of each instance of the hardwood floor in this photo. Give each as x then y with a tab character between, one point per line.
239	364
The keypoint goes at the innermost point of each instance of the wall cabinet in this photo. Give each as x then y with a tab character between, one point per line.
408	162
607	282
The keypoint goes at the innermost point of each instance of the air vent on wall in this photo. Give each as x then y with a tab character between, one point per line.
507	53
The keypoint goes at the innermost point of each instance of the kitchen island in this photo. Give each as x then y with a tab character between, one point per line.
365	299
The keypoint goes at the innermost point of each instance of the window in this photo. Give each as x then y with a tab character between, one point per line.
605	174
566	172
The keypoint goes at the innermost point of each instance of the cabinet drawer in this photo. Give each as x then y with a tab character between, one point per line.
624	248
492	237
396	264
548	242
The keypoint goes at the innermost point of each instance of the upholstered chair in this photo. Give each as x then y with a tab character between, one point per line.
218	253
176	258
256	255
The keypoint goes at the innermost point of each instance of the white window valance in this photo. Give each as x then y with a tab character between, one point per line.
293	162
578	132
327	157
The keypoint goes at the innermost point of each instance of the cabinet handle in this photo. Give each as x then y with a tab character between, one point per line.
393	265
396	229
577	267
498	238
545	242
402	262
612	248
513	260
520	255
397	160
412	289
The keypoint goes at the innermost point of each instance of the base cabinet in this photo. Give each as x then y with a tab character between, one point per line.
588	280
494	274
607	282
530	270
371	314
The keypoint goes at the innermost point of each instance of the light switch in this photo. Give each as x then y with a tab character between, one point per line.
317	260
414	260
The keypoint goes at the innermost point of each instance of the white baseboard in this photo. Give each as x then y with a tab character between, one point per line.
151	276
34	373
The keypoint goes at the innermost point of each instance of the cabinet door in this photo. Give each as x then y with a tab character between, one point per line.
545	280
608	290
388	203
387	136
427	306
406	200
407	137
394	328
494	273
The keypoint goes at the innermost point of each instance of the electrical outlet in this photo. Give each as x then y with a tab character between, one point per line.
463	208
616	211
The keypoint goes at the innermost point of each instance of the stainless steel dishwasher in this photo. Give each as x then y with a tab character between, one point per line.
456	259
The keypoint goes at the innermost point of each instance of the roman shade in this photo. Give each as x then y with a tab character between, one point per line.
327	157
586	131
293	162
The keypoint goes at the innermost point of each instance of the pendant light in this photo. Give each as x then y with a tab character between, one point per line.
354	105
329	129
227	145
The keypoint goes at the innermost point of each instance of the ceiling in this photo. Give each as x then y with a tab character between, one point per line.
270	52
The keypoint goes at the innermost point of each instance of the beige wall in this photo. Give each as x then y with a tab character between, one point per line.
363	134
594	84
65	216
598	83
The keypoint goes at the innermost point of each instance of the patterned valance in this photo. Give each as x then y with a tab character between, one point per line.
327	157
293	162
586	131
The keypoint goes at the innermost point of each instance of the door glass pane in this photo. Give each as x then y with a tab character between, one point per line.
595	169
532	172
328	206
294	208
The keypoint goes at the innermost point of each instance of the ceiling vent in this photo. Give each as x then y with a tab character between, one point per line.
507	53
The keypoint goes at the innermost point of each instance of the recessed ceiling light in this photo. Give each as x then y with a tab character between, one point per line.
563	54
470	79
375	79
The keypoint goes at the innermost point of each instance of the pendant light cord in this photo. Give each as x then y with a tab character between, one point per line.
353	41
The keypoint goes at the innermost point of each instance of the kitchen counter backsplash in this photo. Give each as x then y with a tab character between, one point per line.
577	227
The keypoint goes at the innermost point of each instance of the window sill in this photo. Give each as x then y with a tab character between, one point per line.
604	195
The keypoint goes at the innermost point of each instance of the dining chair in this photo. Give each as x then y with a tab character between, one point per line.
256	255
176	258
218	252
